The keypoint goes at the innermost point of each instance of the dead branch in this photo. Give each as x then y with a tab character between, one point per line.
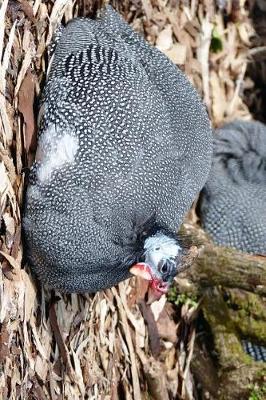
226	267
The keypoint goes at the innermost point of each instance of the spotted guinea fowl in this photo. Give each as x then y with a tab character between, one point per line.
233	201
124	147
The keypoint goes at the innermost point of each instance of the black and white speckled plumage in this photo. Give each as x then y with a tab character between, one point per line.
123	137
233	200
256	351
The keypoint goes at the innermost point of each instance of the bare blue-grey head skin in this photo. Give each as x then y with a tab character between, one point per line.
124	147
233	201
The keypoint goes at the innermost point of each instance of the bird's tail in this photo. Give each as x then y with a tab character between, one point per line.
108	30
240	150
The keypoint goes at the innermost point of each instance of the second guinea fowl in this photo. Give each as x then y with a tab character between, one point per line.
233	201
124	147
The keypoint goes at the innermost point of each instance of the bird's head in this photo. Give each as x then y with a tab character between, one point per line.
161	258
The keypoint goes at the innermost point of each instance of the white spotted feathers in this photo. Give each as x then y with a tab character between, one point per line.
123	135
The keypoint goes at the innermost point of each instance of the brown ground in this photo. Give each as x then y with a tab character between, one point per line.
110	345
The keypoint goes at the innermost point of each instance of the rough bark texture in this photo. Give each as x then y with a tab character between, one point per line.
233	289
230	268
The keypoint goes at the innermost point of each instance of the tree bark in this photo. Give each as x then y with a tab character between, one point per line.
226	267
232	287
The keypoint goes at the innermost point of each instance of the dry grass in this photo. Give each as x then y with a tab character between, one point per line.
110	345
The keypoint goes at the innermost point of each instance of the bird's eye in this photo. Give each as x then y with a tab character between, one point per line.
157	248
164	268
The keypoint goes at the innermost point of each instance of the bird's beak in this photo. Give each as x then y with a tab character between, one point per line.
142	270
153	295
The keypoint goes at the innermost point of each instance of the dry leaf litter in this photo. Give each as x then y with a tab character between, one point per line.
110	345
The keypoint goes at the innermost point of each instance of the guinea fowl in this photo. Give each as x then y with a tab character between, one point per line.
233	201
124	147
232	204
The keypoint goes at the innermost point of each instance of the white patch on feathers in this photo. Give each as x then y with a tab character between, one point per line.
55	152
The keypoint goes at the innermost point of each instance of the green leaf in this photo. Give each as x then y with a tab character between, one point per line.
216	41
